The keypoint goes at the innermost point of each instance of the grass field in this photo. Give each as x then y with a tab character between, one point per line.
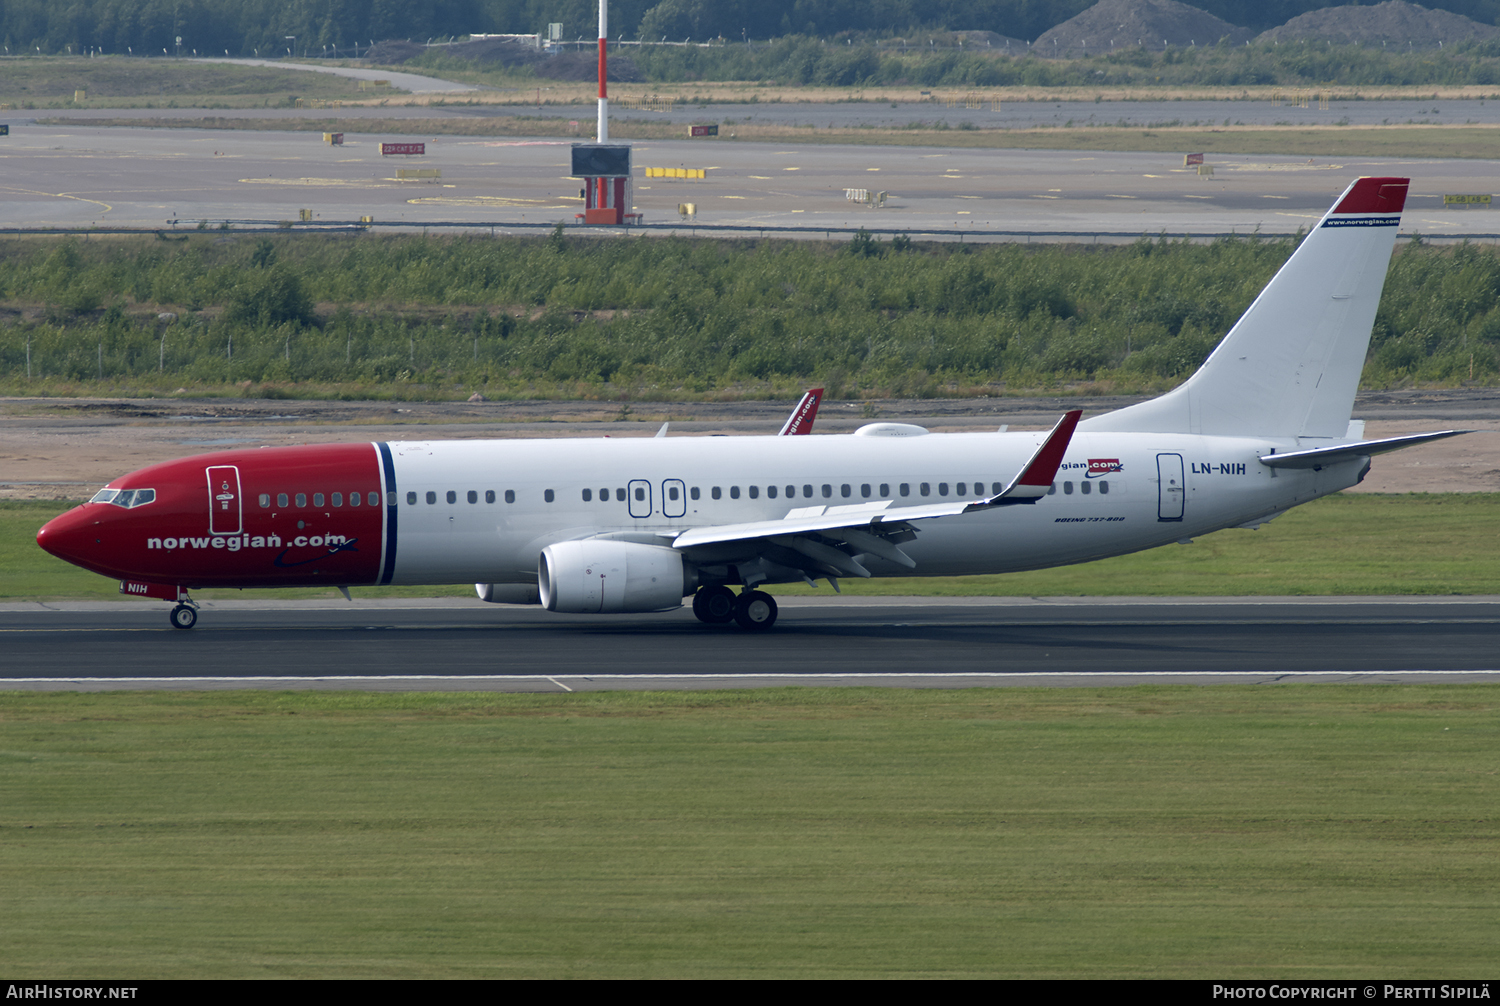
1298	831
1351	544
118	82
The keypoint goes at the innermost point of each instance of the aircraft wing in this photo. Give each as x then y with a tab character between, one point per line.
800	422
865	527
1320	456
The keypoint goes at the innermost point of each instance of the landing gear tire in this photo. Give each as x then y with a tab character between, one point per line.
183	617
714	605
755	611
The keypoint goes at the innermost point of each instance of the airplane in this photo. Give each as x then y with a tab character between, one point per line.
636	525
800	422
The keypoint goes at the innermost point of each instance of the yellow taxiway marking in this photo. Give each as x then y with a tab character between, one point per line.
791	169
1276	197
58	195
872	169
971	197
734	197
1197	197
1046	197
1113	195
761	178
962	213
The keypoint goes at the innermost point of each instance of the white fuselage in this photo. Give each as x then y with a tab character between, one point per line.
722	480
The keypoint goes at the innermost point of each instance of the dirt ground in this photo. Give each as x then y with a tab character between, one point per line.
68	448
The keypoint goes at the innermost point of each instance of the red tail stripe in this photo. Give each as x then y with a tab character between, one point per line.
1375	195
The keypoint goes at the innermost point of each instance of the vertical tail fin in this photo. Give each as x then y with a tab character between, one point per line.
1291	364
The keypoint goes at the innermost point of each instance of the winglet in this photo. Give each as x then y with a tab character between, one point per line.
1037	477
801	420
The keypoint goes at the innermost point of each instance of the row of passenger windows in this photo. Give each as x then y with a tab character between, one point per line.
826	491
283	501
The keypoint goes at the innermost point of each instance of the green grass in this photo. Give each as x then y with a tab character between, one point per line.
1298	831
121	82
1340	545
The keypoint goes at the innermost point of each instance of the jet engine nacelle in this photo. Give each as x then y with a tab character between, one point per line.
599	575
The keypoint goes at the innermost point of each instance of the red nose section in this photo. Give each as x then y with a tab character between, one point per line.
70	536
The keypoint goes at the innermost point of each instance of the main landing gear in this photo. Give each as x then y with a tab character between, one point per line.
754	610
184	616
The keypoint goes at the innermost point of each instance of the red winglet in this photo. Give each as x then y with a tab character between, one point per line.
800	422
1375	195
1036	478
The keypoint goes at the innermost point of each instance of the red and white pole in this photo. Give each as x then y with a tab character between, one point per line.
603	73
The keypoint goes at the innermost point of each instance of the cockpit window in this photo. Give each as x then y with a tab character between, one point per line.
126	498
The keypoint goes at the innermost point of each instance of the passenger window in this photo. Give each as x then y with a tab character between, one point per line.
845	490
640	494
925	489
770	492
755	492
588	495
411	499
510	495
672	493
1086	487
620	495
885	489
549	495
791	492
716	492
906	489
317	499
734	492
1067	488
473	496
301	500
390	498
489	495
693	492
1103	487
807	492
603	496
451	496
942	488
338	499
265	500
354	499
864	490
1052	489
996	488
960	488
431	498
827	491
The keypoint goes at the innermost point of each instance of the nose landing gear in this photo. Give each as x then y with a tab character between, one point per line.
185	615
753	610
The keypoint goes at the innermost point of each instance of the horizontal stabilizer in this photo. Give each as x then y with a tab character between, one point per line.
1318	457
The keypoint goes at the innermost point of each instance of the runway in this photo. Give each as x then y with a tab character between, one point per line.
82	177
453	644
